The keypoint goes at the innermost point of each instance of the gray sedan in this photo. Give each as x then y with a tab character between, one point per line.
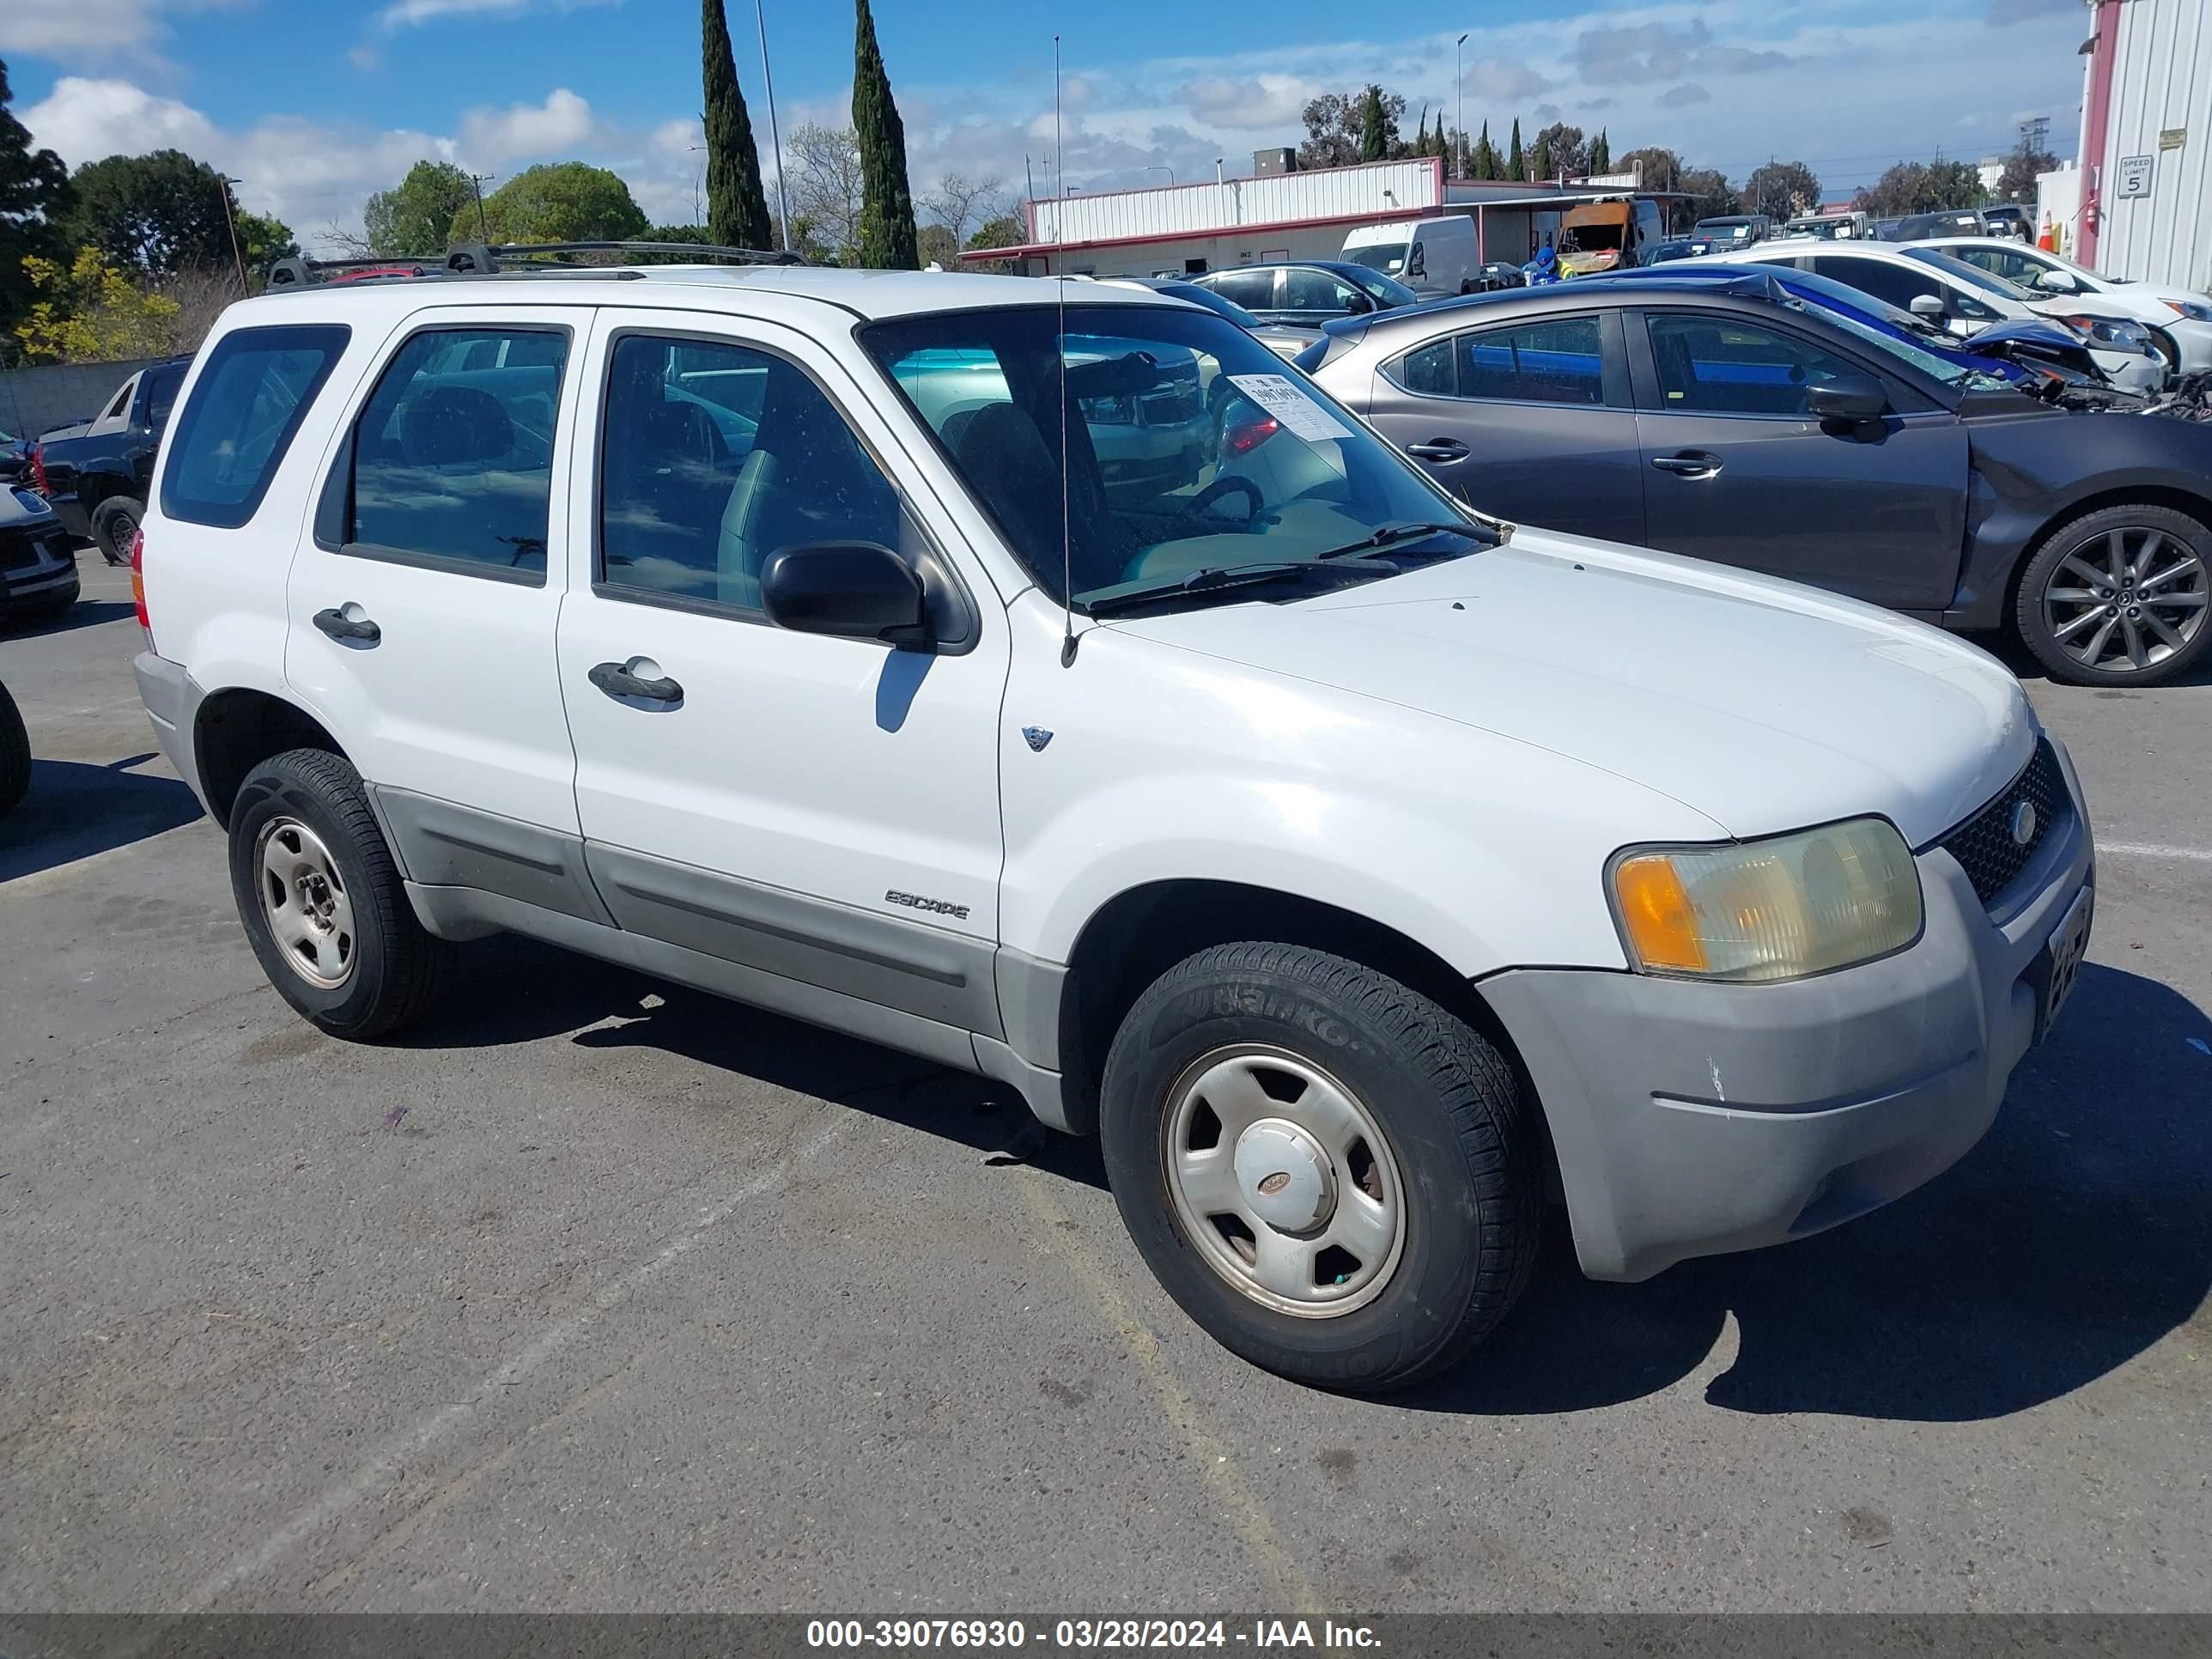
1730	421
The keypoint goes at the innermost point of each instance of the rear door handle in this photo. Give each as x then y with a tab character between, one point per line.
1438	449
348	622
621	680
1692	463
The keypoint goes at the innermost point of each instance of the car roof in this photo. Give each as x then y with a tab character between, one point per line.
869	295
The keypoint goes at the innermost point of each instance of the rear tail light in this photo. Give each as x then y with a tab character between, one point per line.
138	584
1243	440
38	471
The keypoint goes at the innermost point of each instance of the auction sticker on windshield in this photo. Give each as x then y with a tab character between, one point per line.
1292	408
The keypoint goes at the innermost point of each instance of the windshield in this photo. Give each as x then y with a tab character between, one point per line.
1379	256
1971	276
1954	374
1728	228
1214	302
1592	239
1385	291
1191	450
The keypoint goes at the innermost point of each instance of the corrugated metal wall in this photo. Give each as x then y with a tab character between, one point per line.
2161	86
1377	191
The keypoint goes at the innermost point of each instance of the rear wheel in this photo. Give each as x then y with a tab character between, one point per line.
1330	1173
114	522
322	901
2118	596
14	754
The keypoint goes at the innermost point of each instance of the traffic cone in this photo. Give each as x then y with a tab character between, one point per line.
2048	242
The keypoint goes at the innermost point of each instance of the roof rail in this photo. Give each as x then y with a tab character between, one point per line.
484	259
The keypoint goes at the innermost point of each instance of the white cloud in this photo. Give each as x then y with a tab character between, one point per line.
364	58
409	13
84	120
676	137
1250	103
563	122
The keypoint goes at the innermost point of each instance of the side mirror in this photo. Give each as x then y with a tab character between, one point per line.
848	590
1357	304
1931	306
2056	281
1853	397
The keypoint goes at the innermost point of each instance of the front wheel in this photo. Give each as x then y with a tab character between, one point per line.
2117	596
322	901
1330	1173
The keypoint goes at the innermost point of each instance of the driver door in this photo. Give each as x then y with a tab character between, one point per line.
1737	471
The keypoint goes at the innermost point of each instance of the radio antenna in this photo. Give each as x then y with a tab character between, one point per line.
1067	459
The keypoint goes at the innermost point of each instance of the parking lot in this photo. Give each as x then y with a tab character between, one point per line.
596	1293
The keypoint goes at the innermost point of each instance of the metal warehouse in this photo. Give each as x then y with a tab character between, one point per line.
2146	133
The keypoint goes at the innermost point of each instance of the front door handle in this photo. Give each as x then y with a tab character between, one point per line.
1438	449
620	680
1691	464
348	622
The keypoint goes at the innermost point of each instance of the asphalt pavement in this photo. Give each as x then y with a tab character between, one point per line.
595	1293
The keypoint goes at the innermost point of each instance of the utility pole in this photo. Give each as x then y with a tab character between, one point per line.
775	142
223	183
1458	79
477	181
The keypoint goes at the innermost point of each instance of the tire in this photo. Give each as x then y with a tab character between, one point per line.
350	955
15	755
1457	1175
114	522
2059	595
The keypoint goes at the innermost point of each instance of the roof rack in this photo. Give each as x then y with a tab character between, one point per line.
483	259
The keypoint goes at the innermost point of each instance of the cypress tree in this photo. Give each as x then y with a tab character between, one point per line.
1421	138
736	207
1485	155
1601	155
1516	165
1373	143
887	240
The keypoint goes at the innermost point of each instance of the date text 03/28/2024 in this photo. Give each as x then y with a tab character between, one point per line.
1261	1636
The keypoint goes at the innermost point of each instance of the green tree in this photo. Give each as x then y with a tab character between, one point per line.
34	197
696	235
1781	189
1710	195
1377	130
2017	182
415	219
153	215
1516	164
92	310
1563	147
1421	136
886	240
1922	187
264	239
1601	154
1539	161
936	244
737	206
557	202
1485	163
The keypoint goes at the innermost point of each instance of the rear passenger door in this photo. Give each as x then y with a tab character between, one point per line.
422	606
820	810
1530	421
1738	472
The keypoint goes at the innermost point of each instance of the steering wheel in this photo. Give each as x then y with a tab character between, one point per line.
1221	490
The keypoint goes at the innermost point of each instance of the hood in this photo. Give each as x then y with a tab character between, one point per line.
23	508
2023	330
1762	705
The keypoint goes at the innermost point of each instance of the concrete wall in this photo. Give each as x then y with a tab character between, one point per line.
36	400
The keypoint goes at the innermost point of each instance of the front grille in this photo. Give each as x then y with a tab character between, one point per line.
17	550
1983	844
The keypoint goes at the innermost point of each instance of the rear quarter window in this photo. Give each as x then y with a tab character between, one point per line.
244	409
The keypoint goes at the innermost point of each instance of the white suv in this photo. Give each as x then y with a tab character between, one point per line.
1363	871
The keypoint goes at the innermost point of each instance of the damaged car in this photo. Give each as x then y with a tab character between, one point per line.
1726	417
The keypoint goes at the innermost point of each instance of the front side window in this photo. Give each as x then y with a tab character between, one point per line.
715	455
1306	289
1190	453
452	457
1719	366
253	391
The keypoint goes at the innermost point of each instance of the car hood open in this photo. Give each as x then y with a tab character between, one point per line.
1762	705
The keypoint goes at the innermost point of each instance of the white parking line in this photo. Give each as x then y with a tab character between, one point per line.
375	1476
2146	849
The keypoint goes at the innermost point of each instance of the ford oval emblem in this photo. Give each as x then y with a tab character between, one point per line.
2023	824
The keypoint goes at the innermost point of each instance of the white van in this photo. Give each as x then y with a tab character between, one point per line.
1429	256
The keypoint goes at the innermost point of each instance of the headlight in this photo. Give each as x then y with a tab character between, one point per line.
1778	908
2113	332
2192	309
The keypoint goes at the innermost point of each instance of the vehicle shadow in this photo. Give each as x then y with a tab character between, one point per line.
2073	1238
75	809
2008	649
521	991
85	613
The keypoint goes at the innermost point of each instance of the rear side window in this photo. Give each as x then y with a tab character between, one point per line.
255	388
453	455
1253	289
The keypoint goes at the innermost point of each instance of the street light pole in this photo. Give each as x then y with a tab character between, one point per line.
477	182
1459	75
223	181
1158	167
775	140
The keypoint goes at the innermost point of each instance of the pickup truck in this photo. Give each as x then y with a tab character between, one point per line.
96	475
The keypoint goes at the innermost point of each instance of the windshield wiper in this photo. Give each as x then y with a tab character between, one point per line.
1219	578
1391	534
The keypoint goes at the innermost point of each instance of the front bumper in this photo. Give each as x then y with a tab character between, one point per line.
2140	372
1691	1118
38	583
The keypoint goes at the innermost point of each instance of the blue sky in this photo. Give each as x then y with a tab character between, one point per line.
314	103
